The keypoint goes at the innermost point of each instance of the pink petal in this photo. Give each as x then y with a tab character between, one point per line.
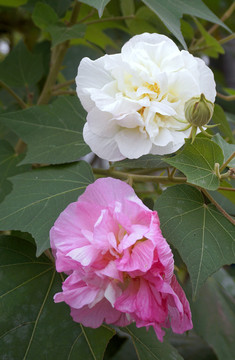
180	320
139	258
95	316
105	191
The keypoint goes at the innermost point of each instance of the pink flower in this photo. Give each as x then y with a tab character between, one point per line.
119	266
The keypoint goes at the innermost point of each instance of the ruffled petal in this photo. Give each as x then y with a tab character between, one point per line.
133	143
105	147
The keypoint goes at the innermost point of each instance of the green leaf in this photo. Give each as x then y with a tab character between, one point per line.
21	67
201	234
127	7
53	132
39	197
214	47
39	328
197	162
12	3
98	4
43	15
220	119
228	149
214	315
171	11
8	167
146	161
61	33
148	347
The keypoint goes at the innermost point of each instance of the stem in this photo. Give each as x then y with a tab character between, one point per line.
63	92
226	175
57	57
212	200
222	41
173	173
64	84
227	39
49	255
226	15
141	178
87	16
226	97
22	104
113	18
226	188
227	162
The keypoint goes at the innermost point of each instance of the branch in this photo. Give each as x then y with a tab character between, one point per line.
227	162
64	84
227	39
113	18
87	16
57	57
212	200
140	178
226	15
221	42
225	188
22	104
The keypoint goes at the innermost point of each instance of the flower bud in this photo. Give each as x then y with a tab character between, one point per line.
198	110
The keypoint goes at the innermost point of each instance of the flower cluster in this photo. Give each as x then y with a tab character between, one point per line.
135	100
119	266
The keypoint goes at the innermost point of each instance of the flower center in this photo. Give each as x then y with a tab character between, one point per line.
153	87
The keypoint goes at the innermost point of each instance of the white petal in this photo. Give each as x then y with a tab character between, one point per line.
202	74
206	80
133	143
91	74
131	120
183	85
146	38
163	138
105	148
102	123
163	108
177	143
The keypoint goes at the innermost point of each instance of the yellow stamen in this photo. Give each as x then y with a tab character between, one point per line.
153	87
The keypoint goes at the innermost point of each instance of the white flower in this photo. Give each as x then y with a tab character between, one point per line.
134	99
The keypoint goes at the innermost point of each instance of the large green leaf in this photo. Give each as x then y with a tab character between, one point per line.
197	162
32	325
148	347
21	67
53	132
146	161
60	32
228	149
171	11
214	315
98	4
38	198
204	238
8	167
